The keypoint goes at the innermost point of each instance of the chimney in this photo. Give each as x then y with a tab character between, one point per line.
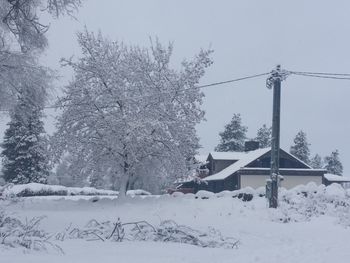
251	146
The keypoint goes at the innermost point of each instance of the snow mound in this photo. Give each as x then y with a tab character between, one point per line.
245	194
304	202
137	192
36	189
202	194
177	194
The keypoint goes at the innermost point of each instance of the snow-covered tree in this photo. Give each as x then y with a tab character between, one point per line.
233	136
20	19
263	136
316	162
300	149
18	73
68	174
127	107
333	163
22	36
25	157
153	177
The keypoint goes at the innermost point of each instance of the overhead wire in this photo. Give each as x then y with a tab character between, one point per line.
319	73
338	76
232	80
325	75
171	92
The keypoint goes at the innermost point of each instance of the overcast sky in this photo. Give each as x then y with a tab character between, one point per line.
248	37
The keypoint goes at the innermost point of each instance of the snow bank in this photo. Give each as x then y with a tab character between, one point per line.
295	205
246	194
204	194
304	202
298	204
137	192
35	189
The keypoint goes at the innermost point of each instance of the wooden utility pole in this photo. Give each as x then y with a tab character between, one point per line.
274	81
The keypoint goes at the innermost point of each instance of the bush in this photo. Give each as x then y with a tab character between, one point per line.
27	234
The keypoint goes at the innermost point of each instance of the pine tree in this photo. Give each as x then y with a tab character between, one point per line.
263	136
24	147
300	149
316	162
333	163
233	137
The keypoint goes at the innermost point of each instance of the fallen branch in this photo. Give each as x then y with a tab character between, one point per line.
167	231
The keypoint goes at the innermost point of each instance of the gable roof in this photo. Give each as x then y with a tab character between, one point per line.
296	158
244	158
232	156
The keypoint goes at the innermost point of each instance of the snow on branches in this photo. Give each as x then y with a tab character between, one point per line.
22	36
21	18
25	144
127	111
21	73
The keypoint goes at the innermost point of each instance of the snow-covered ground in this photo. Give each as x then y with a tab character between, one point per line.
304	229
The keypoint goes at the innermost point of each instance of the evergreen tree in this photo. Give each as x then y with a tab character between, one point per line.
233	137
316	162
300	149
263	136
24	147
333	164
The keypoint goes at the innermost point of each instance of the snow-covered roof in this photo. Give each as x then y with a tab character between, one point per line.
336	178
227	155
283	169
185	179
245	159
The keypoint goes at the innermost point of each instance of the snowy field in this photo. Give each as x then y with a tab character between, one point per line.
308	229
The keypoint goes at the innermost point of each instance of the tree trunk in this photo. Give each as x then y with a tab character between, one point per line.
124	184
132	181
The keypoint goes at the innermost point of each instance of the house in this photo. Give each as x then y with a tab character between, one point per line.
235	170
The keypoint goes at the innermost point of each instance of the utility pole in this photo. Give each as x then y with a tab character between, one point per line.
275	79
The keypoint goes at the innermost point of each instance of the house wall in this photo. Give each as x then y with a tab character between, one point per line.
218	165
286	161
289	181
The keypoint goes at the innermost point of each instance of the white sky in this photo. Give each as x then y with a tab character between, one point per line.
248	37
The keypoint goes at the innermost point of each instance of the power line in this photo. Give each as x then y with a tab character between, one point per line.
232	80
171	92
186	89
338	76
319	73
324	76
